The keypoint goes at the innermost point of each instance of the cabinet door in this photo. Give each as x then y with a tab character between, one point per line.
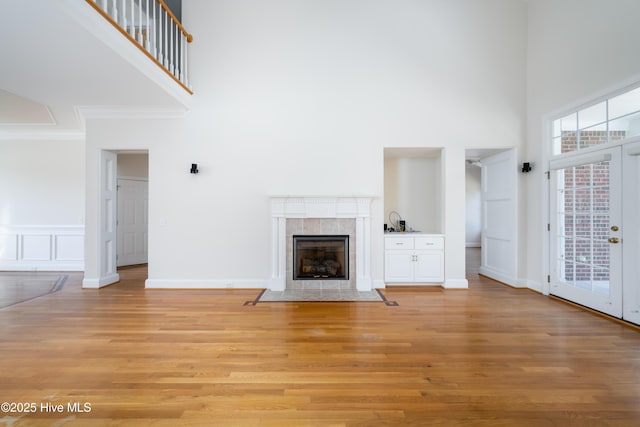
429	266
398	266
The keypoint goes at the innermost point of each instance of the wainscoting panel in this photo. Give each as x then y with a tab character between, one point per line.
49	248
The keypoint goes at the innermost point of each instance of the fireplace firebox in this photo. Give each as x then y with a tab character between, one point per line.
320	257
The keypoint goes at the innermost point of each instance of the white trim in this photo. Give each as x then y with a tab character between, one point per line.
123	112
546	154
357	207
42	135
100	28
133	178
456	284
500	277
42	247
632	150
378	284
100	282
595	98
205	284
578	160
533	285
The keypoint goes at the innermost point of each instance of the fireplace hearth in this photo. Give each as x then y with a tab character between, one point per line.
321	257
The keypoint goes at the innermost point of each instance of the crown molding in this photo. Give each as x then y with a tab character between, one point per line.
42	135
127	112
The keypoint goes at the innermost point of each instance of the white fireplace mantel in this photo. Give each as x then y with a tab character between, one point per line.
357	207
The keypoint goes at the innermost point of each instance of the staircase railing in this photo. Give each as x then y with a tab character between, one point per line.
153	28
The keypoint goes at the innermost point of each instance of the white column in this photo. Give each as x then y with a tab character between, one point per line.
278	254
453	214
363	254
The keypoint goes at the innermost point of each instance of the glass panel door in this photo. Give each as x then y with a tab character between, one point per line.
586	265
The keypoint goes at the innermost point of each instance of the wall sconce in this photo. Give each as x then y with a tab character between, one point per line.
194	168
526	167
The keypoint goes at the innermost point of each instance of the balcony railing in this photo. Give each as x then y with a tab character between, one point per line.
153	28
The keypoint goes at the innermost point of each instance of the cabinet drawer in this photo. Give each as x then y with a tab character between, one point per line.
398	243
429	243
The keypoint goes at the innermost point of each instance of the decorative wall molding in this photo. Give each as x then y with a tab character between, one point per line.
321	207
42	247
358	207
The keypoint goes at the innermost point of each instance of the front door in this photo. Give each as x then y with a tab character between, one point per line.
585	225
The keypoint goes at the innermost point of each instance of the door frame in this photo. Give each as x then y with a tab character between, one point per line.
100	268
630	232
612	303
101	247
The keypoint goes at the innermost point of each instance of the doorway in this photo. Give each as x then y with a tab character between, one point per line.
594	239
491	212
133	208
586	216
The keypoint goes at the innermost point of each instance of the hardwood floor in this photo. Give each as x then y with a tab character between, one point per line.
487	356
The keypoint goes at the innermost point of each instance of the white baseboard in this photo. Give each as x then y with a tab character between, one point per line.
456	284
205	284
379	284
100	282
533	285
500	277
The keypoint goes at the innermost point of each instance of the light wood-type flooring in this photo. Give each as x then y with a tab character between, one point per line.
487	356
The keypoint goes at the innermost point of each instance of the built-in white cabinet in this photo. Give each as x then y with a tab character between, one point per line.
413	258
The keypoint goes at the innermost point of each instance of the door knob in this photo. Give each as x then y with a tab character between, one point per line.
614	228
614	240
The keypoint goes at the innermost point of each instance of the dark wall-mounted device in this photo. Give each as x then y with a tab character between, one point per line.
194	168
526	167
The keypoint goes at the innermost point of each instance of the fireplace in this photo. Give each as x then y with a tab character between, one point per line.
321	257
321	216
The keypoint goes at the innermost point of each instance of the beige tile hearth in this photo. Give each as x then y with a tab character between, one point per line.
310	295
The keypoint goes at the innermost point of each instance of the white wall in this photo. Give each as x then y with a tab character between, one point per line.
577	50
172	202
287	87
294	97
412	188
301	98
41	205
41	182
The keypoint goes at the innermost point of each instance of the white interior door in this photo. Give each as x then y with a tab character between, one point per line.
499	225
133	208
586	222
107	217
631	232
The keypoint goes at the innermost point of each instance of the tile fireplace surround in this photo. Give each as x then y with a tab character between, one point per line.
321	215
